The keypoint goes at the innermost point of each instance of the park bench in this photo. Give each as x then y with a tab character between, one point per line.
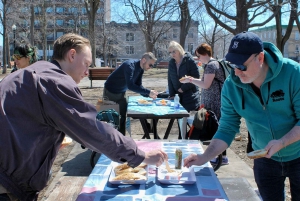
162	64
101	73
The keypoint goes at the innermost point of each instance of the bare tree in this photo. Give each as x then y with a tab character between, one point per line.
7	18
276	7
185	19
149	14
246	14
92	7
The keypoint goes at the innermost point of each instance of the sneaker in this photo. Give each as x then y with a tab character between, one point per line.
216	160
225	160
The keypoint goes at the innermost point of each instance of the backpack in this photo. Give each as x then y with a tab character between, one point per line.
225	68
205	125
109	116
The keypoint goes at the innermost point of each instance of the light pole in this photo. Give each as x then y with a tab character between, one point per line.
14	27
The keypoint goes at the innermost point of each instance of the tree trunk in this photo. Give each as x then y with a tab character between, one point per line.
32	25
185	21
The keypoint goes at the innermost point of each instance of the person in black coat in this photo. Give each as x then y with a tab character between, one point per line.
182	64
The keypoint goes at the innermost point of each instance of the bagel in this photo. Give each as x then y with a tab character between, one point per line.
257	154
119	172
130	176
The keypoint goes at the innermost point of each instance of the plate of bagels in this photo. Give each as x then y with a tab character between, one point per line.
124	174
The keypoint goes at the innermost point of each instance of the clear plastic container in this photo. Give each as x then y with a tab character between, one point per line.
176	102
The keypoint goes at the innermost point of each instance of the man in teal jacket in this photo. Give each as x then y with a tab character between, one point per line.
264	89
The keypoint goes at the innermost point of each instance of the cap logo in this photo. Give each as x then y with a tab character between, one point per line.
235	45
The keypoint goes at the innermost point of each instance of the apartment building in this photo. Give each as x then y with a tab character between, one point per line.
131	40
53	18
291	47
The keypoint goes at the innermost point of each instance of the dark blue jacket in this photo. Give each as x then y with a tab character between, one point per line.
190	98
127	76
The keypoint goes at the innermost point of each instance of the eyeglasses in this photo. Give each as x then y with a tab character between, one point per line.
151	65
241	67
17	57
172	52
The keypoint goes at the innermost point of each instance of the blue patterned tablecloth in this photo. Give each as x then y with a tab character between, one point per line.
159	110
206	188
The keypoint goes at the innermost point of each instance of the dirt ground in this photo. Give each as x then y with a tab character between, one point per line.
91	95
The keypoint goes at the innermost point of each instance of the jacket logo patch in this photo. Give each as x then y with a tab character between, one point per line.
277	95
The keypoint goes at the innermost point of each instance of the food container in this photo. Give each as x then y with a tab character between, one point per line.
178	159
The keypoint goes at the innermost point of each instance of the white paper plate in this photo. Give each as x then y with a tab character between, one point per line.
168	103
112	176
148	103
187	176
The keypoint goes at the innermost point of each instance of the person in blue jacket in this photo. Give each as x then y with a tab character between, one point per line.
264	89
128	76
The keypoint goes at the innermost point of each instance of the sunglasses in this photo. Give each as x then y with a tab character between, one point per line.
241	67
17	57
151	65
172	52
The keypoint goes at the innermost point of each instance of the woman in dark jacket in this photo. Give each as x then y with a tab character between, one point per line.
182	64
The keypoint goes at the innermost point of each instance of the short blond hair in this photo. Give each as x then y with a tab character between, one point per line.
66	42
149	56
176	46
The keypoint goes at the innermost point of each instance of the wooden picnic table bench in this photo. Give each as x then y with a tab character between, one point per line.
162	64
101	73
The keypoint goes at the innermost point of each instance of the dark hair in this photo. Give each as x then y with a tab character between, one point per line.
66	42
204	49
26	50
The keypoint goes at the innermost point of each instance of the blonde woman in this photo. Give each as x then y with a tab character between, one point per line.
182	64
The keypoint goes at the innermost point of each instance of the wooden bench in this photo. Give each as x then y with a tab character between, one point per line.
162	64
99	73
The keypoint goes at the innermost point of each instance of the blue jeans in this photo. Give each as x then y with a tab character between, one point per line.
270	176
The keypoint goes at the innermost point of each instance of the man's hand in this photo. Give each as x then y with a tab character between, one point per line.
273	146
155	157
194	159
153	94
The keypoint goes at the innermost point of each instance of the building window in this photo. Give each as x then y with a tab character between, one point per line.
59	22
175	33
59	10
50	36
129	50
297	48
190	34
37	10
49	10
296	35
73	10
129	37
84	22
59	34
283	32
36	23
83	11
274	35
190	48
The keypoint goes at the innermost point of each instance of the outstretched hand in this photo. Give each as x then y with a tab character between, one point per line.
155	157
193	159
153	94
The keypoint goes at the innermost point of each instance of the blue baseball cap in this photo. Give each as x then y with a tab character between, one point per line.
242	46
